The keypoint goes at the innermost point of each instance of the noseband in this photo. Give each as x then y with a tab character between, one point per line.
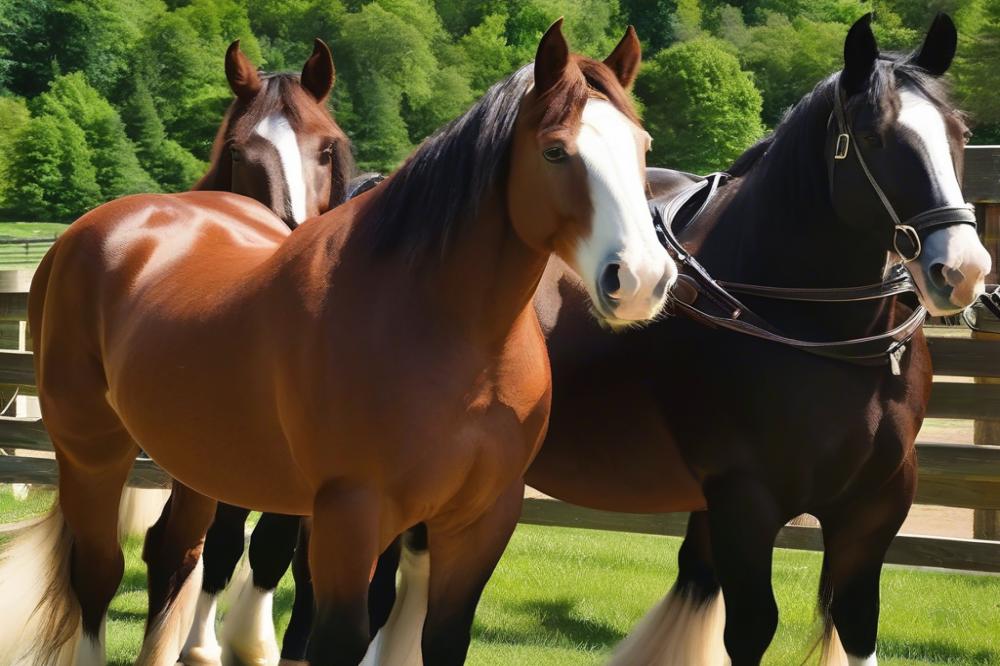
906	236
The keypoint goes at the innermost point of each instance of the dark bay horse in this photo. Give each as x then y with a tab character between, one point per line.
746	433
380	368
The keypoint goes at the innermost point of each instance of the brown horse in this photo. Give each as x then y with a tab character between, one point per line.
277	144
381	367
748	433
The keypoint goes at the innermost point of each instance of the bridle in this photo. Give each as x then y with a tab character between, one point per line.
712	302
906	236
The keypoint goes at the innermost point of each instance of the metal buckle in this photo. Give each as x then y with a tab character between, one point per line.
843	147
912	236
984	315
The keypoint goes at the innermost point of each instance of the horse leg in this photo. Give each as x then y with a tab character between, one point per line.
248	631
344	544
172	553
462	559
686	627
59	574
397	643
295	644
856	536
744	521
220	556
382	591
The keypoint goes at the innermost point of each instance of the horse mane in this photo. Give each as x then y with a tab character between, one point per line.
280	93
419	209
792	155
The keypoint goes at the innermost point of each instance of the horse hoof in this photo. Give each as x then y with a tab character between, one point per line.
208	655
292	662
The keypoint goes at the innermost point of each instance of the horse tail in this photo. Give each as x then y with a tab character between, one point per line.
139	509
42	619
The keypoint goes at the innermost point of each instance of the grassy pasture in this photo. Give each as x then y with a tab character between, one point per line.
564	597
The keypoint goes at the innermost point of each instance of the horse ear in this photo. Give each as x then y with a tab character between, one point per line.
860	54
242	75
318	73
551	59
624	60
939	46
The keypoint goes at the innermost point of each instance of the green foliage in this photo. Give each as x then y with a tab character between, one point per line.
144	79
72	100
13	118
978	75
788	57
51	173
701	108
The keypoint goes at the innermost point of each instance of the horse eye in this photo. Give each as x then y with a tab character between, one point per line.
326	155
872	139
967	135
235	154
555	154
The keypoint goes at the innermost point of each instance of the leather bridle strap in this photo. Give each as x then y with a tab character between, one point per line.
736	316
906	236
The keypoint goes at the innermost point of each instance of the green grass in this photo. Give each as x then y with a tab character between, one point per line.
26	256
563	597
31	229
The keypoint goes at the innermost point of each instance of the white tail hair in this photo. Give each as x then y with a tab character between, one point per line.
162	645
833	652
139	509
678	631
41	615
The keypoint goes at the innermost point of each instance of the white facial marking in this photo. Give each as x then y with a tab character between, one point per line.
276	129
622	229
953	262
920	116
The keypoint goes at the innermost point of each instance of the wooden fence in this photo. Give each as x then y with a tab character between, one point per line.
966	386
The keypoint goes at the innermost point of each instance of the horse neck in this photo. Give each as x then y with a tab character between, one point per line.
762	236
490	275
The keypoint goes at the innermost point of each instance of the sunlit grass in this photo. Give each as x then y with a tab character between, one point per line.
562	597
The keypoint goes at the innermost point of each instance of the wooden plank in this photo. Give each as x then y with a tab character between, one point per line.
945	491
965	401
13	306
44	471
961	554
17	367
27	434
982	174
963	462
964	357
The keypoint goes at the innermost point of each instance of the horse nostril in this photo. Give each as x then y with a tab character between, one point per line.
610	284
936	275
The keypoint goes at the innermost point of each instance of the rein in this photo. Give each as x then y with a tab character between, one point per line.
696	284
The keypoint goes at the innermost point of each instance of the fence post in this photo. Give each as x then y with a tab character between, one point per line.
986	522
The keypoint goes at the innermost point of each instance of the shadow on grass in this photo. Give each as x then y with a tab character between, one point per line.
557	620
935	651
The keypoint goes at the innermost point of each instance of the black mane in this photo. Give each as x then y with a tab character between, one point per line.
443	182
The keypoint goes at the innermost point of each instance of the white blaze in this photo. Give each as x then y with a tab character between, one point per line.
276	129
622	228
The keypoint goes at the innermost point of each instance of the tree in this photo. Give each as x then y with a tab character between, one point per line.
117	168
14	117
51	174
650	20
701	108
977	74
789	57
174	168
25	61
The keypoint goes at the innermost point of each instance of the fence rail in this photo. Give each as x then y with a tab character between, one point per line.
955	475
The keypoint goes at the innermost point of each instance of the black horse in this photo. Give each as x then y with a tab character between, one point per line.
747	433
